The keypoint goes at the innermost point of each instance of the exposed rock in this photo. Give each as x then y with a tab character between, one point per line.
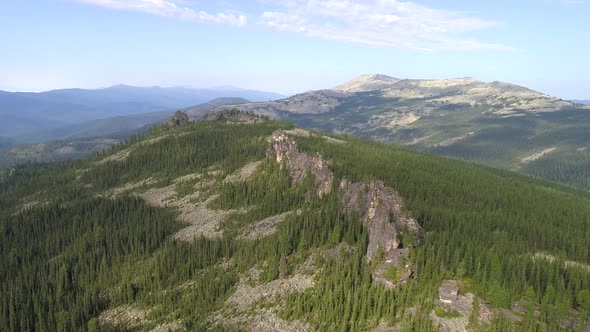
380	207
124	154
269	322
537	155
264	320
124	317
201	220
179	118
284	148
117	156
235	116
453	140
246	295
130	186
450	300
311	102
193	208
390	229
566	263
448	292
307	133
242	174
169	327
266	226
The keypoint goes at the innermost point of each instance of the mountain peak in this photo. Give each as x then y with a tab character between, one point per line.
368	83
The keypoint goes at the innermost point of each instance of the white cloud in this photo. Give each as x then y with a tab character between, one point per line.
380	23
172	9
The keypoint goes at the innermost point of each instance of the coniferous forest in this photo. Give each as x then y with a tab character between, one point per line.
88	245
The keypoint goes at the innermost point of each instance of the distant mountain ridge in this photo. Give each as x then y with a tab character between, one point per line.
368	83
6	142
496	123
22	113
82	139
583	102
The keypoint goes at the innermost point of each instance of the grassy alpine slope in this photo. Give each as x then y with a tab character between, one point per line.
195	228
498	124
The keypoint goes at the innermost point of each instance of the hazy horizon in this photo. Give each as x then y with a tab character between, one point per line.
290	47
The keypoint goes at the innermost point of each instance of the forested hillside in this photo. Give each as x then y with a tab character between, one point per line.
493	123
241	223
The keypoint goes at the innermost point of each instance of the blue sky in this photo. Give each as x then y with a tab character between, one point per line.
291	46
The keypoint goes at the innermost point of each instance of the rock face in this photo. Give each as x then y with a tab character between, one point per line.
178	119
284	148
450	300
447	293
380	208
381	212
390	229
234	116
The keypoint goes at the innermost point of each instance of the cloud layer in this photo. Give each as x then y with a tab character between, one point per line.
377	23
380	23
172	9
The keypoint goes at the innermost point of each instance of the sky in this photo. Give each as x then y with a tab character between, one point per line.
291	46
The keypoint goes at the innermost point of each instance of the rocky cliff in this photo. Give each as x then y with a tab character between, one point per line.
179	118
284	148
392	232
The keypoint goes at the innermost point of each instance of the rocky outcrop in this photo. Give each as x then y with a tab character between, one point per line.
450	300
179	118
235	116
284	149
381	211
391	231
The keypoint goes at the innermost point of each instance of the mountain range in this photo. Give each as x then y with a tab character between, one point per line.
498	124
27	116
495	123
81	139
